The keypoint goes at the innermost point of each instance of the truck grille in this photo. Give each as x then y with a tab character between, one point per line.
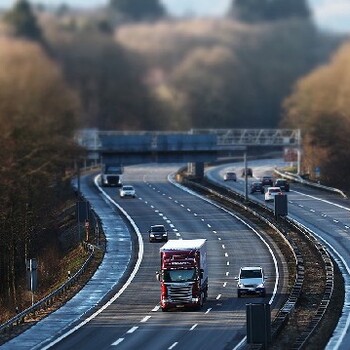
180	293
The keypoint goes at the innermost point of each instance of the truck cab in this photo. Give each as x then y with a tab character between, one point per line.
111	175
184	274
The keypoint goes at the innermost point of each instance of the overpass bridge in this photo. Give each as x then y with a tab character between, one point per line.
193	146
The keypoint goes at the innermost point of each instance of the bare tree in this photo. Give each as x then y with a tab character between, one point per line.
37	118
319	105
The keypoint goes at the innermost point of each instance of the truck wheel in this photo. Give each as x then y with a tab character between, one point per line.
201	302
238	294
164	309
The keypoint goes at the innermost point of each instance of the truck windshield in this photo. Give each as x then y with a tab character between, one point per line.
113	170
179	275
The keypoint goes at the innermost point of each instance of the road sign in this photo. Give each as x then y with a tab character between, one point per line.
290	154
32	274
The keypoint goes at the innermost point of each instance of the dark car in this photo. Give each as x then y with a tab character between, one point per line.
267	181
257	186
283	184
249	172
158	233
230	175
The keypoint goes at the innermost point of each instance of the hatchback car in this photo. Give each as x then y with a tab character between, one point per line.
271	192
158	233
257	186
127	191
267	181
230	175
251	280
283	184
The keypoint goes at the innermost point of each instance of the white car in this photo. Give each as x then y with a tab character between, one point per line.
127	191
251	280
271	192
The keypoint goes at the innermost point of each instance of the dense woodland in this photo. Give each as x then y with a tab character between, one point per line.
132	67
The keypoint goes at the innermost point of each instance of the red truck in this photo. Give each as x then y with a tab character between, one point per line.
183	274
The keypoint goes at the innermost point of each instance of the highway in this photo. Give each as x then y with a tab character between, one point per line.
325	213
135	320
132	318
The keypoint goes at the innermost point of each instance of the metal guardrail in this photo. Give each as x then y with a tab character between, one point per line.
298	178
328	291
49	299
288	307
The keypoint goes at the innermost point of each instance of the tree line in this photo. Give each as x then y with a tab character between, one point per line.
319	105
127	67
38	113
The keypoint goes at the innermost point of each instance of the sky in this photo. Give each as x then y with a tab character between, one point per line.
333	15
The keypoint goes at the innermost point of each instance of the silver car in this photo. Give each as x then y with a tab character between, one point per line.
127	191
251	280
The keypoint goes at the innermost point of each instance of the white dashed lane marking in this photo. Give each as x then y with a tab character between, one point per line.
117	342
132	330
172	346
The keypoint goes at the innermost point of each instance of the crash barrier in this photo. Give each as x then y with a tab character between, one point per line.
328	290
48	301
287	309
298	178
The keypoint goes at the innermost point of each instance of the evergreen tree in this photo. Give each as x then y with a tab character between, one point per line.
269	10
23	21
138	10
